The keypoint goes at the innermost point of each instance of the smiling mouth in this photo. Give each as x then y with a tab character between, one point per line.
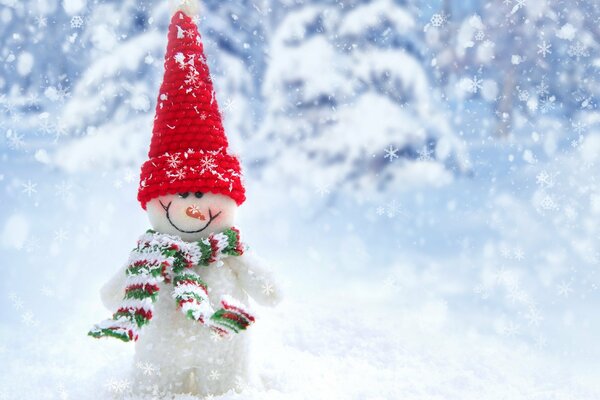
211	217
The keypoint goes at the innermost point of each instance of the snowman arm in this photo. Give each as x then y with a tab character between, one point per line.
113	290
257	279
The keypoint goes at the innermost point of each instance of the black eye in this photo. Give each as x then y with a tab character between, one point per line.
198	195
184	195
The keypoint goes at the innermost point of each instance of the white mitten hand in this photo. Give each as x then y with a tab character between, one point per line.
112	292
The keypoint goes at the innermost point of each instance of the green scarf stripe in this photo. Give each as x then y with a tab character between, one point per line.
139	320
188	295
140	294
227	324
235	325
179	261
144	268
206	251
232	242
189	277
109	332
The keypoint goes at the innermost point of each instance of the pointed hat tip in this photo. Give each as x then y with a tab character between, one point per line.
189	7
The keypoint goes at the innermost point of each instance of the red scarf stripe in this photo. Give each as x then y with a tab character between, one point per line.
191	282
147	314
219	330
148	288
228	306
132	336
213	249
236	317
191	300
238	244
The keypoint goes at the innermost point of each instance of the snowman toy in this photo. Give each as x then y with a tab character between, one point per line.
183	296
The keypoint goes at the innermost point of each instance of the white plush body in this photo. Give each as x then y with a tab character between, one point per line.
188	356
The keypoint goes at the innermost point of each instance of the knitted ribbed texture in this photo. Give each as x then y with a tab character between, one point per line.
188	151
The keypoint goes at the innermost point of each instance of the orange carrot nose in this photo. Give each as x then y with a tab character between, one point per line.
194	212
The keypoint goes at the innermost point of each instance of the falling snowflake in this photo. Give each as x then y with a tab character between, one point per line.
41	21
29	188
438	20
229	105
578	50
268	289
147	368
16	301
425	154
28	318
390	153
579	128
240	383
391	209
323	190
523	95
57	93
475	84
60	235
214	375
547	104
543	88
544	179
60	129
544	48
534	317
505	252
118	385
15	140
519	254
63	190
548	203
76	22
564	289
479	36
510	329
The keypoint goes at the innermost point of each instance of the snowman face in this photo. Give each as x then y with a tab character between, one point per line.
191	216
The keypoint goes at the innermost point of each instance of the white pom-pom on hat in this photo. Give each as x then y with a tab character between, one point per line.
190	7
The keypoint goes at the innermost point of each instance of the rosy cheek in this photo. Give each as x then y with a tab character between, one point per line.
222	214
155	207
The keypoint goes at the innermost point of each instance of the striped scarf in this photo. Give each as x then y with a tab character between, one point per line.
166	258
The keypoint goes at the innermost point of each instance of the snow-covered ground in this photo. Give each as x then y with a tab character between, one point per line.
426	252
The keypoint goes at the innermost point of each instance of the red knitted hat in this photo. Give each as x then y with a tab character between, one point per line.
188	151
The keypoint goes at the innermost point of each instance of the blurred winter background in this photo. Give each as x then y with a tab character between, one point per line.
422	174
